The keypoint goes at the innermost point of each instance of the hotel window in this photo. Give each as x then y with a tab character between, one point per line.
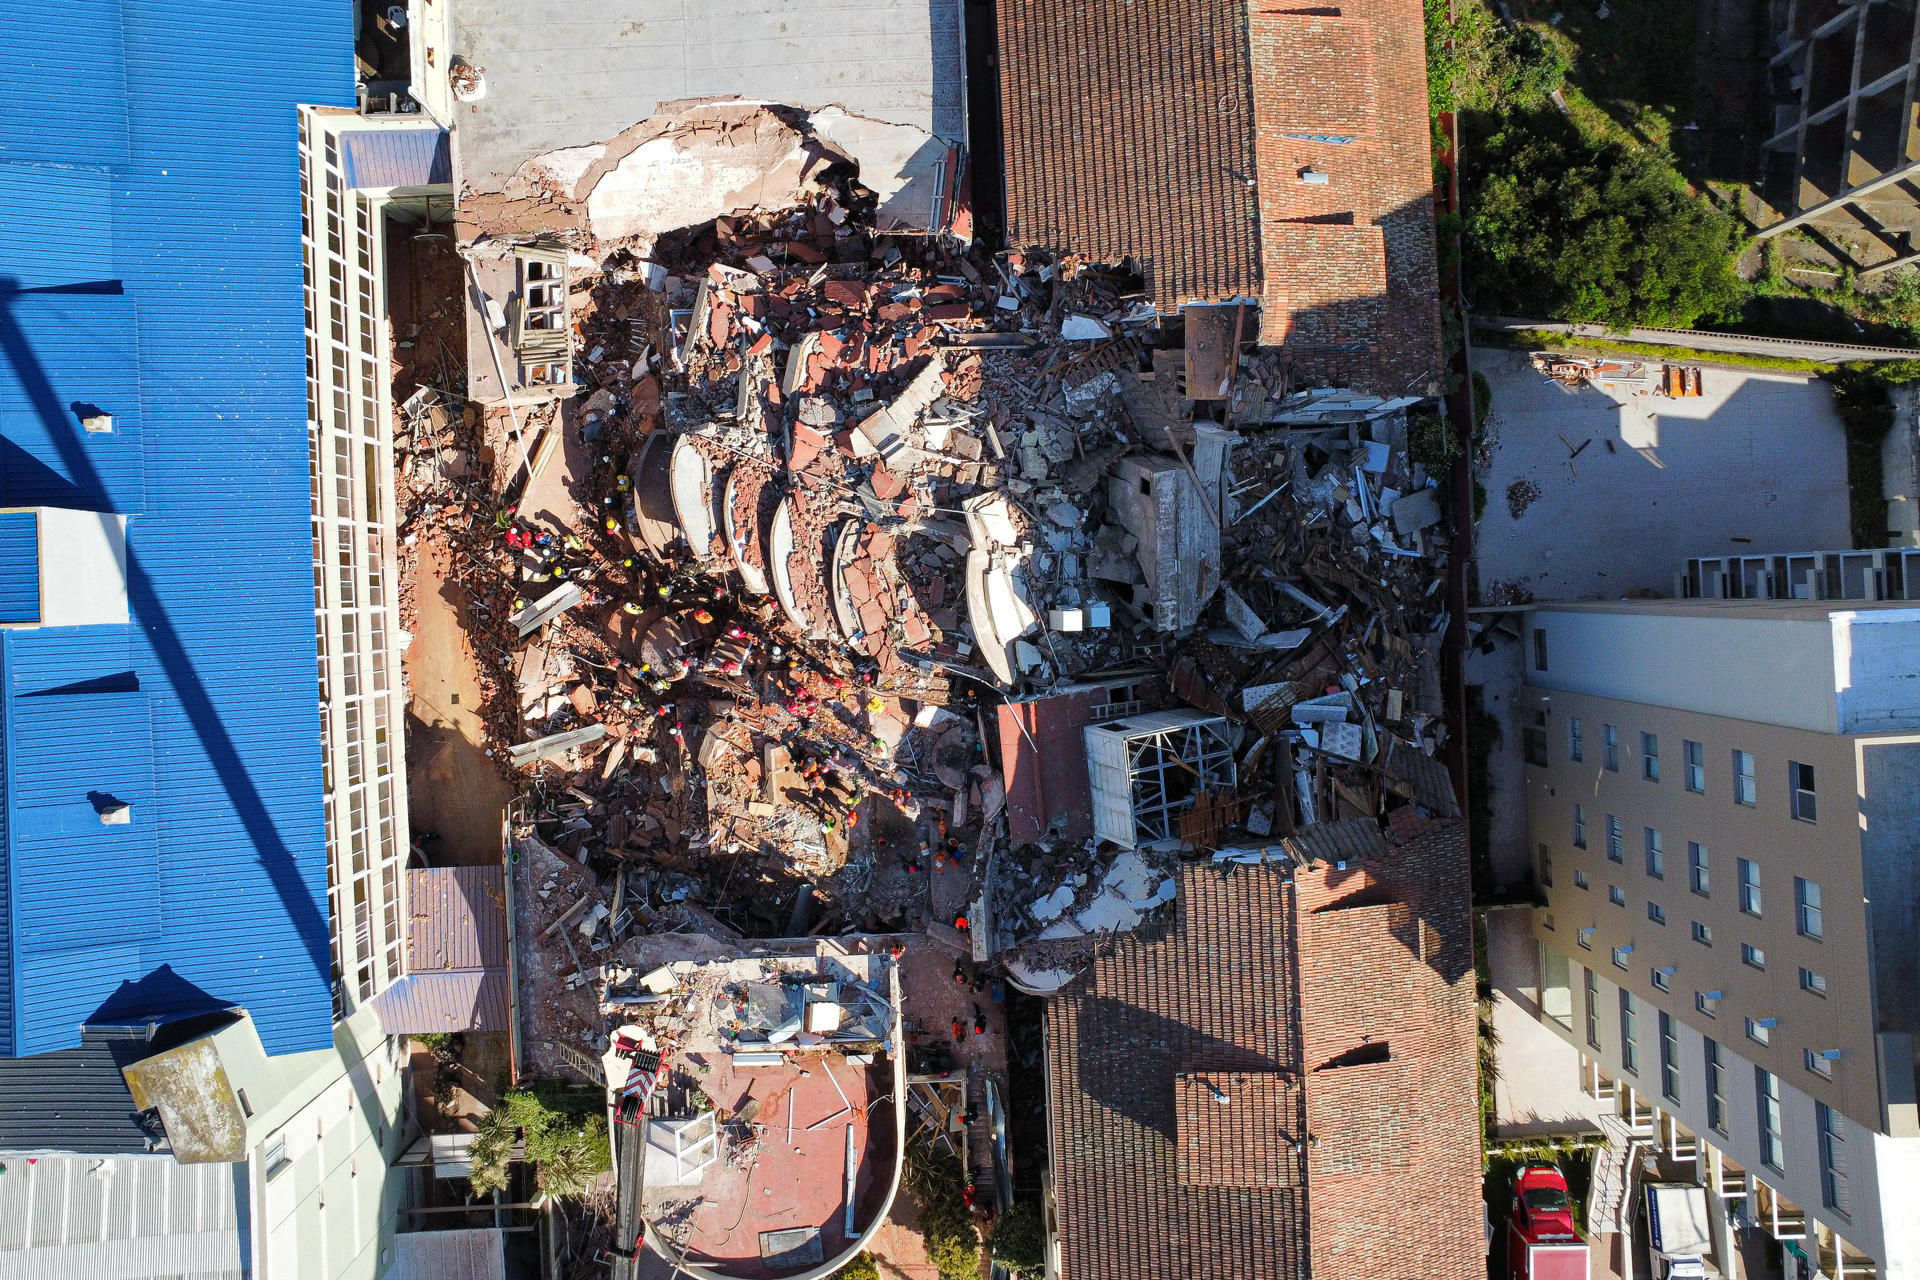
1616	844
1656	855
1813	983
1752	956
1576	750
1716	1089
1749	874
1579	878
1806	901
274	1157
1697	872
1611	736
1833	1157
1800	782
1669	1058
1702	934
1707	1002
1616	895
1629	1033
1556	994
1696	760
1661	982
1766	1089
1759	1032
1546	868
1579	826
1820	1064
1746	788
1533	739
1593	1010
1656	913
1650	757
1620	955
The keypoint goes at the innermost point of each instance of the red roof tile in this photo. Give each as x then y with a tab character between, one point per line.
1129	133
1357	304
1176	133
1369	972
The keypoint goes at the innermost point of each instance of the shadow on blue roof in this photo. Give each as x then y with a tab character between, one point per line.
160	996
77	926
85	336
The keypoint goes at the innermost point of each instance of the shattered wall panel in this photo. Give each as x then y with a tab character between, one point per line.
560	75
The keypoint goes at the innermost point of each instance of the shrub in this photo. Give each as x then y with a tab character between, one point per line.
938	1181
953	1242
1595	232
1432	442
1490	66
861	1268
1019	1240
566	1139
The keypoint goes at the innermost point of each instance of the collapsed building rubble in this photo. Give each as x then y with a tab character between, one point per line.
765	514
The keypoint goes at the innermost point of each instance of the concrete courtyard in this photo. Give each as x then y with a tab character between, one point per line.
1756	464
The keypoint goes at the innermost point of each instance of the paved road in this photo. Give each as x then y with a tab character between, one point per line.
1789	348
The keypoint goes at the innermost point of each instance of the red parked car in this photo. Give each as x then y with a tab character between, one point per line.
1542	1242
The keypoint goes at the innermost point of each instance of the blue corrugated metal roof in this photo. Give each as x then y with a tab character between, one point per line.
19	567
159	214
376	159
69	61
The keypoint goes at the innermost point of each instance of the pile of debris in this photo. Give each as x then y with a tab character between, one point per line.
824	500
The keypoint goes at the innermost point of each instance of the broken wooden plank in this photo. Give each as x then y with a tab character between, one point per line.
556	744
614	757
547	608
567	915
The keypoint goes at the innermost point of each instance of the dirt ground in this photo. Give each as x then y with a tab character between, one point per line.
454	789
475	1081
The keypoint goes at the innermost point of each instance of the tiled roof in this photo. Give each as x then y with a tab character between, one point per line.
456	918
464	1000
1238	1128
1386	987
1045	752
1368	972
1215	995
1178	133
1351	281
457	978
1129	133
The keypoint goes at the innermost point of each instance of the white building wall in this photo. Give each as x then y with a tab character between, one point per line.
1774	669
1803	666
1883	1173
356	606
326	1199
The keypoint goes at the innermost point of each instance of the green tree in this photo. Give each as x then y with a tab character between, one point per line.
861	1268
566	1139
1019	1240
1594	232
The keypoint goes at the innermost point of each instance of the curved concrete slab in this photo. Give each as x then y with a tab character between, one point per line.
694	488
743	535
779	553
845	547
650	517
